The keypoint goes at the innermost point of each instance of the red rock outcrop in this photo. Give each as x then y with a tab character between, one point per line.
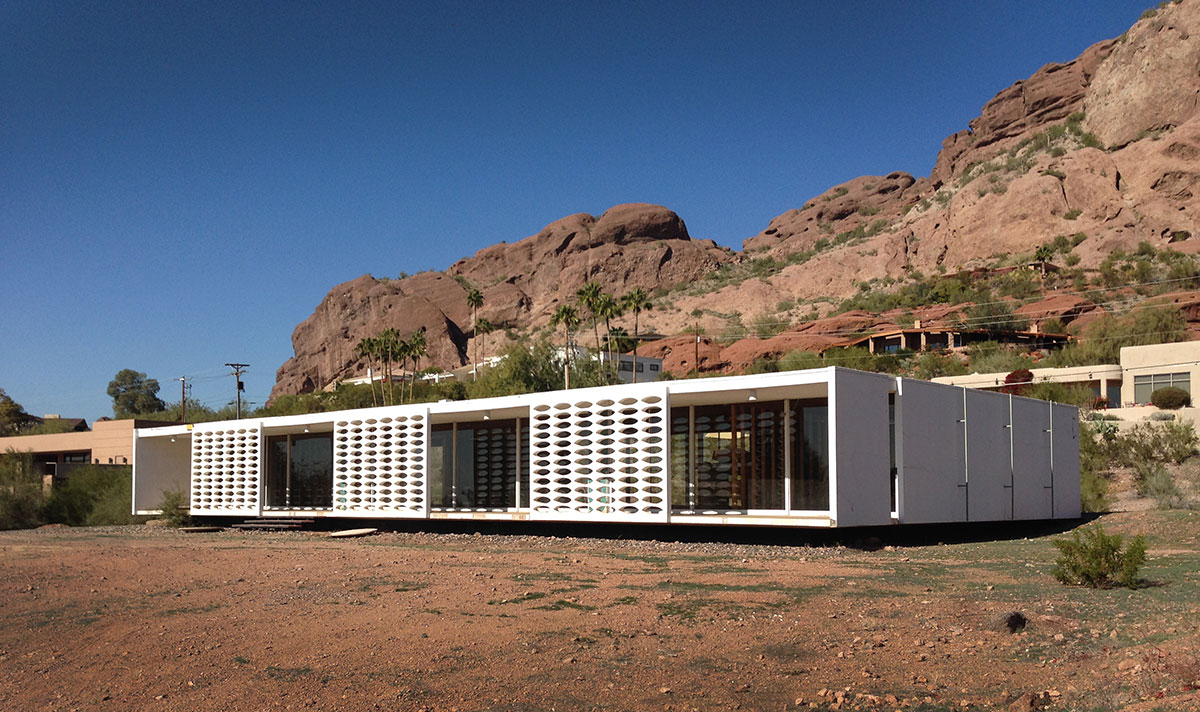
1027	171
628	246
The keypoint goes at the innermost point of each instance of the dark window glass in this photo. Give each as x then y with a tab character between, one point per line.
810	456
300	471
441	465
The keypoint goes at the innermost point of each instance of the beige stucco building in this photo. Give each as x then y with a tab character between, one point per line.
1141	371
109	442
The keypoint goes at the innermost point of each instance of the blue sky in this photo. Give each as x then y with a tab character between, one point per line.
182	182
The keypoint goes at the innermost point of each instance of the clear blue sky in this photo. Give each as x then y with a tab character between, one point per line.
182	182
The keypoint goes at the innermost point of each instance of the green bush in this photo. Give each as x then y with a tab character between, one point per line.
21	498
1096	444
93	495
1094	559
1170	398
1169	442
1152	480
175	507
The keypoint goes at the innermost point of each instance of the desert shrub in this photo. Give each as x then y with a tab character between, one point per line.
766	325
1068	393
21	498
762	365
932	365
1097	560
1017	382
991	357
800	360
1169	442
93	495
1152	480
1096	443
1170	398
174	508
1159	415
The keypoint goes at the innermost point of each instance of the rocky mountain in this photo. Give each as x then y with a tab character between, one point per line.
628	246
1104	150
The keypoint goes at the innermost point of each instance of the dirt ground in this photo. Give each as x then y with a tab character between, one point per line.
143	618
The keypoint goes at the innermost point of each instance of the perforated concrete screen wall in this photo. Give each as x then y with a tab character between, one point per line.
379	465
225	469
599	459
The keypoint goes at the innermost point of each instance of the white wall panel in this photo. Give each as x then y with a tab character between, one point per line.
600	458
860	479
932	462
1031	458
379	464
989	464
1065	430
226	468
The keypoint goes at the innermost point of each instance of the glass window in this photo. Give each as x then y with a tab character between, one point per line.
681	471
627	366
441	464
654	367
810	456
474	465
300	471
1145	385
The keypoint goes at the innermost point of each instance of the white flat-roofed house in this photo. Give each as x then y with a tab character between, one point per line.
827	447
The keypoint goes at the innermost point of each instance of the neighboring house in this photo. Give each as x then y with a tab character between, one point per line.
1141	371
109	442
648	369
947	337
827	447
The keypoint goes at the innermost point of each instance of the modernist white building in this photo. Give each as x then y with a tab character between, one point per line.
826	447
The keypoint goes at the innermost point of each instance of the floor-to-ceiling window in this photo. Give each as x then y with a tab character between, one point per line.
810	455
735	457
300	471
476	465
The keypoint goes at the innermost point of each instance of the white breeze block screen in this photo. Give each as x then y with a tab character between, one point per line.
225	467
379	465
601	460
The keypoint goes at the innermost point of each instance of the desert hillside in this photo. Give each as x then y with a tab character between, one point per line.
1081	165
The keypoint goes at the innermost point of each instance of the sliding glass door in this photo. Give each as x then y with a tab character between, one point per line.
300	471
739	457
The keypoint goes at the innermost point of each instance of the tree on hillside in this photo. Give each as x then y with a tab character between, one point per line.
134	394
365	349
13	418
389	353
566	317
474	301
637	302
588	296
415	347
608	308
483	327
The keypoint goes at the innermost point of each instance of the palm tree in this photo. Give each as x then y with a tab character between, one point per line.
389	347
474	301
417	347
365	349
619	339
566	316
637	302
483	327
587	296
608	308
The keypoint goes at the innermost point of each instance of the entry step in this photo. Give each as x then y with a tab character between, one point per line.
274	524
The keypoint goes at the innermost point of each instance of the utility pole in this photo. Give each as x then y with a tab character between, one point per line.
237	374
183	399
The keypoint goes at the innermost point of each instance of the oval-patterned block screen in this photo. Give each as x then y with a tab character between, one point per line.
602	461
379	466
225	469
